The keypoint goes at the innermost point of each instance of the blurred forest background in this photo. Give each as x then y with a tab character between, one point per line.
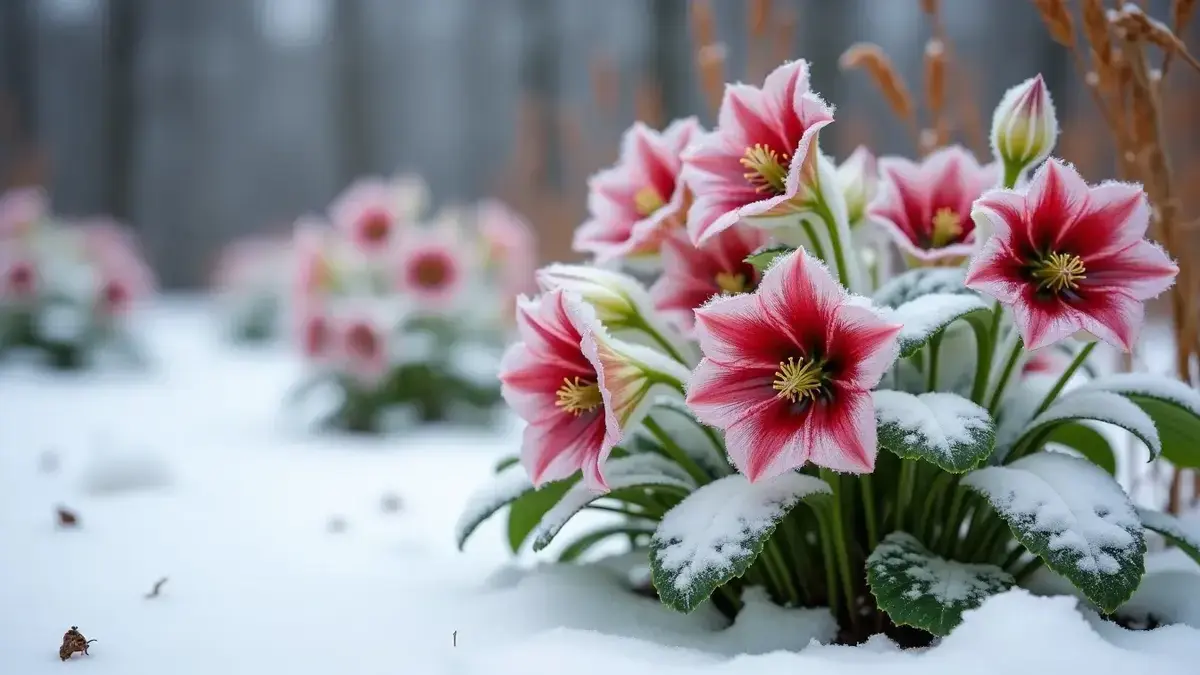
199	121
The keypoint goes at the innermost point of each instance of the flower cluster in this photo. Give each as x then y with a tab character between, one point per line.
919	414
251	281
391	307
66	288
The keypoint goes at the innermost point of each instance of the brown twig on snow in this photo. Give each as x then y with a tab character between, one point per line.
157	588
66	517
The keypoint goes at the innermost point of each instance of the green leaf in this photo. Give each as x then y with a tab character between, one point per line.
1097	406
1173	405
763	257
527	511
917	588
943	429
506	462
924	317
637	473
716	533
587	541
1073	515
922	281
508	485
1086	441
1184	535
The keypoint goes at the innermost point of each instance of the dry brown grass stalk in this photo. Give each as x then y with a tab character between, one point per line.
870	58
785	22
1057	18
1141	28
935	88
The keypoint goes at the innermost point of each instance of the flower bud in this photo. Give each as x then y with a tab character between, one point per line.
859	180
618	299
1024	128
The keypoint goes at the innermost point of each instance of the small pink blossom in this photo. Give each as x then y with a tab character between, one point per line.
18	279
510	248
369	214
363	347
124	275
432	270
1066	257
761	159
788	372
20	210
577	388
692	275
926	206
312	249
639	201
316	336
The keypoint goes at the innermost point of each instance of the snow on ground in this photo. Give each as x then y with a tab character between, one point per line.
279	557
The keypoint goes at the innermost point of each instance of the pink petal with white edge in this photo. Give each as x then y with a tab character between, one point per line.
721	395
996	213
872	341
768	441
736	330
1143	269
842	437
558	447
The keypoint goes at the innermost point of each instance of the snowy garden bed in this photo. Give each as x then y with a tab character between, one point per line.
285	553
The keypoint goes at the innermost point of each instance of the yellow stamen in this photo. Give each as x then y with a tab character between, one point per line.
577	396
766	169
1059	272
731	282
947	227
797	379
647	201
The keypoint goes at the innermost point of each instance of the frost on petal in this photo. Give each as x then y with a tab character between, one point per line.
1073	515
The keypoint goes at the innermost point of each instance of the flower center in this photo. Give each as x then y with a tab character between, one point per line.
731	282
430	272
647	201
578	396
797	379
766	169
947	227
1060	272
361	341
375	226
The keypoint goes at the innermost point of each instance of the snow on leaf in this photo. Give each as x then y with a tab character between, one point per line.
1172	405
1098	406
504	488
715	533
923	317
947	430
765	256
625	473
917	588
1185	535
922	281
1074	516
681	425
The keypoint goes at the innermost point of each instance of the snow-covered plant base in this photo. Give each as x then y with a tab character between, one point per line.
247	562
779	412
401	319
66	288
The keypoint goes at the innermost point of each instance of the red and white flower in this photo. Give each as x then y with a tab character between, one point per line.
1066	257
363	347
369	213
20	211
638	202
509	246
1024	126
123	275
926	206
578	388
788	371
18	279
317	338
692	275
432	269
761	161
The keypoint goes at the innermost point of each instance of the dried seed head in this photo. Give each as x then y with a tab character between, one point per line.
1058	20
930	7
1095	28
710	62
1138	27
1181	13
704	23
935	76
759	12
870	57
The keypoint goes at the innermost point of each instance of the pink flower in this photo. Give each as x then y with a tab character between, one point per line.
691	275
363	348
368	212
316	336
18	279
926	207
1067	257
314	267
20	210
510	246
788	371
577	388
761	159
124	275
432	270
635	204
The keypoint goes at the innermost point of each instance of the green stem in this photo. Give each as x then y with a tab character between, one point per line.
1013	557
831	569
1064	378
868	499
950	534
932	496
641	324
618	509
983	366
799	569
1009	366
935	347
818	249
904	491
835	238
771	548
839	541
1028	569
1012	171
677	453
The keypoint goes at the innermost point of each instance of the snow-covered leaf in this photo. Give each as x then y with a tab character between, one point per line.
527	510
505	487
717	532
585	542
637	472
947	430
924	317
1172	405
763	257
917	588
1185	535
1074	516
922	281
1098	406
1086	441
